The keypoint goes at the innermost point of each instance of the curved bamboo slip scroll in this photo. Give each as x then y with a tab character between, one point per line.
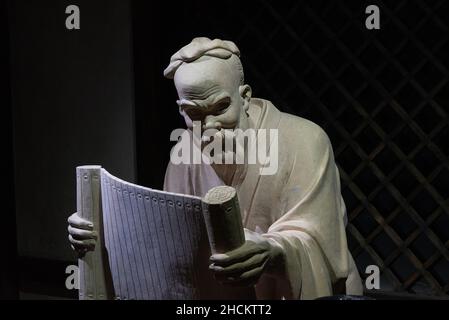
154	244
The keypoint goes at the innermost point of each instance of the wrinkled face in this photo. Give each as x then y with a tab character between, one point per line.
209	91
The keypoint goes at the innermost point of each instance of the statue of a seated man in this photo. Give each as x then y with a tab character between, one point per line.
294	218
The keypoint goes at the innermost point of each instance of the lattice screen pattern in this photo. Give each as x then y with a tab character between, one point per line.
383	98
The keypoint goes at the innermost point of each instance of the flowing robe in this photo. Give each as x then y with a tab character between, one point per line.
300	207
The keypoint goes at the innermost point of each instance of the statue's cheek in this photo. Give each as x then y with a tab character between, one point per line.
230	118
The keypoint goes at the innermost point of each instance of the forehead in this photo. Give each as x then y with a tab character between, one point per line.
205	77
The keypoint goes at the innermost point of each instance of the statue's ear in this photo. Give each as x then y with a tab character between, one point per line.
245	92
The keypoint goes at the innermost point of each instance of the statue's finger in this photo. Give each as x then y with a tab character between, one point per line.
240	267
76	221
240	254
81	244
246	279
81	234
251	274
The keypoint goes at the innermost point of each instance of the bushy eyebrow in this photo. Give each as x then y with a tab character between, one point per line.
198	103
222	97
184	102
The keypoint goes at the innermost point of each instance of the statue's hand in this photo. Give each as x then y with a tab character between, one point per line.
81	234
244	265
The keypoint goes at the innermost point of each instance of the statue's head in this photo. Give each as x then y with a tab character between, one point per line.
209	79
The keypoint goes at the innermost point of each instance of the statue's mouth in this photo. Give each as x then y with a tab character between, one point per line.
222	144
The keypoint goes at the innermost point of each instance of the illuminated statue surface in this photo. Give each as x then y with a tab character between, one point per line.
294	216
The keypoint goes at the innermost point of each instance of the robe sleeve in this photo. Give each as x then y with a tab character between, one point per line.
177	179
311	228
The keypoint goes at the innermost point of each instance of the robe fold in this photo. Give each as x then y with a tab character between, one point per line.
299	208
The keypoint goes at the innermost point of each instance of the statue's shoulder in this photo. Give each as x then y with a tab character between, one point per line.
297	128
302	125
307	137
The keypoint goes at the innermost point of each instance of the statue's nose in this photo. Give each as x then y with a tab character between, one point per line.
210	123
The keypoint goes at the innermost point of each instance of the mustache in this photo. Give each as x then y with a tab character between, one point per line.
212	134
216	124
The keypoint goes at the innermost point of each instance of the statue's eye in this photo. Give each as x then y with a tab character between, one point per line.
221	106
193	113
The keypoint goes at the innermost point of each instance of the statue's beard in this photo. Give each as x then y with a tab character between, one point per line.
220	143
227	165
224	147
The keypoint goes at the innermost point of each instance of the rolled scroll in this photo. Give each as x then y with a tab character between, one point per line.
223	220
224	227
153	244
94	283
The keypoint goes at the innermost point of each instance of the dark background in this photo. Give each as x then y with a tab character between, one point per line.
97	95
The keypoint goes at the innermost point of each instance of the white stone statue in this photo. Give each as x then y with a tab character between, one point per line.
294	218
